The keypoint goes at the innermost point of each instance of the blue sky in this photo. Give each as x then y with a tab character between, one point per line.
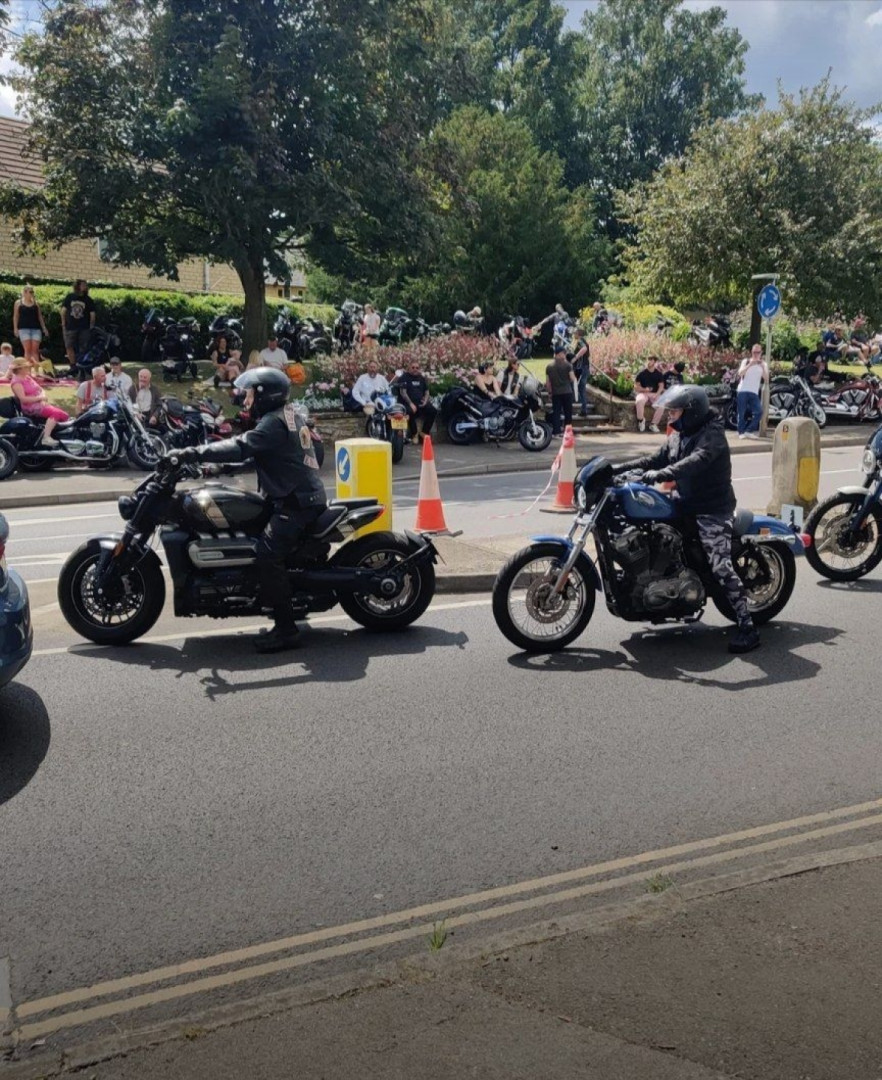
797	41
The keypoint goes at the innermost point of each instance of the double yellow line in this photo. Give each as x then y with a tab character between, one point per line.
71	1008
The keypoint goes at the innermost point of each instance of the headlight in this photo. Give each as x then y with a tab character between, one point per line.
581	497
126	505
868	462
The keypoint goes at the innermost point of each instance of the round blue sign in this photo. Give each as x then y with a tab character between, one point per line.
769	301
344	464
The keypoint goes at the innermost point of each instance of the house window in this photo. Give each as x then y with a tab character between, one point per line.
105	252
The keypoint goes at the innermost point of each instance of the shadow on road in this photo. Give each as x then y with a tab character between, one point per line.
862	585
229	665
691	654
24	738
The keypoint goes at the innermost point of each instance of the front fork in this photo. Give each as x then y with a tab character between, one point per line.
873	494
583	527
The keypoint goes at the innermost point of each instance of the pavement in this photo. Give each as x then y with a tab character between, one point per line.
766	972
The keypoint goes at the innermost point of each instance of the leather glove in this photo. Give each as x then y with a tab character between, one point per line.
653	476
185	456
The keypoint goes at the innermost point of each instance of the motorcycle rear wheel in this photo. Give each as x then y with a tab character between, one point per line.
827	525
377	551
535	438
144	451
35	463
768	571
397	446
110	619
8	459
455	432
526	611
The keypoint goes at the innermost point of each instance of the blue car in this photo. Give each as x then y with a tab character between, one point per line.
16	634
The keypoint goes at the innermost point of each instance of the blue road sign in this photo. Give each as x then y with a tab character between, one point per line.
769	301
344	464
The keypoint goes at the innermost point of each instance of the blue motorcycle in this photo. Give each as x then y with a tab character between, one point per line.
650	565
846	529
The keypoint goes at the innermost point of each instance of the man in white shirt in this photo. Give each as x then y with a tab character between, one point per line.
118	383
372	382
273	356
95	390
751	374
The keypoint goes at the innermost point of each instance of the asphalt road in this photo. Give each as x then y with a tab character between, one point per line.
185	796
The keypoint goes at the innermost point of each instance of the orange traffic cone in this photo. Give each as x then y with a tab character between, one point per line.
566	463
430	512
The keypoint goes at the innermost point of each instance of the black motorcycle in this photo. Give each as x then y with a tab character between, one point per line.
100	437
846	528
302	338
192	424
103	344
178	350
387	421
650	567
468	416
516	337
152	332
396	327
714	333
224	326
347	325
111	589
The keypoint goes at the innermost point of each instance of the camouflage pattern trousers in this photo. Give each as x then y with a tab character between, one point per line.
715	532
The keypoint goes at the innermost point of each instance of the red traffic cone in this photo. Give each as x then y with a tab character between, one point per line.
566	462
430	512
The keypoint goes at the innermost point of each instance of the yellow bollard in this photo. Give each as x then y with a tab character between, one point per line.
363	469
796	465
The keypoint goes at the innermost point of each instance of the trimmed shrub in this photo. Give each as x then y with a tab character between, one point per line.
126	309
617	358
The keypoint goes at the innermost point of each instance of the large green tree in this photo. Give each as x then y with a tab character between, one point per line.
228	129
796	190
509	233
651	72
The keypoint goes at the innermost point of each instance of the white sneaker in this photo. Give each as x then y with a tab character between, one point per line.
742	435
654	429
752	435
641	425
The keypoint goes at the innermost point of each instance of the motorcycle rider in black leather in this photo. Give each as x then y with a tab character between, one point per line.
281	447
696	457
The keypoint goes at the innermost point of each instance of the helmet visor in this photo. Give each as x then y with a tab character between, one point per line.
674	398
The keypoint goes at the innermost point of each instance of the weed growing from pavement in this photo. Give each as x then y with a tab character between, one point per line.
438	936
658	884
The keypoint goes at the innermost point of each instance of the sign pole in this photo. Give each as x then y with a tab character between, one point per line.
768	302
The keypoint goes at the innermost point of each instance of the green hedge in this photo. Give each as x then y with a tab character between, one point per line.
127	307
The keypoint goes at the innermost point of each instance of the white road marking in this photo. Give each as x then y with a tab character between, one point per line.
57	520
44	609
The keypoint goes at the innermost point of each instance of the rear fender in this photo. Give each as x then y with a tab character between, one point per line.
421	546
566	546
766	530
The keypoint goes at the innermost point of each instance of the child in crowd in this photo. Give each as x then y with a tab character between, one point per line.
6	359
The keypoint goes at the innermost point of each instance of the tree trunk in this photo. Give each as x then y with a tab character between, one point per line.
254	287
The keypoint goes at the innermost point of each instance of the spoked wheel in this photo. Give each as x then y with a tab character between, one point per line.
145	451
529	612
837	551
768	572
535	436
811	408
120	611
410	589
8	459
730	415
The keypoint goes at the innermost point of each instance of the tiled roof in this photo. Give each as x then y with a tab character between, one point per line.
14	166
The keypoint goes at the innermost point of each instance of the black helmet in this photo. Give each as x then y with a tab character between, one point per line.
459	318
270	388
693	400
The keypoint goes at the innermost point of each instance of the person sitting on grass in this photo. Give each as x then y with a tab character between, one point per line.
227	363
32	398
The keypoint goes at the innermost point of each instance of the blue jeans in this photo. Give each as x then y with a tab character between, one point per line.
750	411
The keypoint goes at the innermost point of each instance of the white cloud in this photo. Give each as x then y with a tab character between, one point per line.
875	19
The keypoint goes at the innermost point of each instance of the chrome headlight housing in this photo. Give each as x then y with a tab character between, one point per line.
581	497
869	463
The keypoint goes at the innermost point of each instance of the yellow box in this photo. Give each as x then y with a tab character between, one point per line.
363	469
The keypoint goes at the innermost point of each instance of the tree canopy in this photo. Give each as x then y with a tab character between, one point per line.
797	189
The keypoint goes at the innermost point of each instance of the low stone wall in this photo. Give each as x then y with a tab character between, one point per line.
342	425
620	411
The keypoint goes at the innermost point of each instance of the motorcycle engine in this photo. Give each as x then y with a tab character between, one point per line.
660	582
94	448
97	430
501	420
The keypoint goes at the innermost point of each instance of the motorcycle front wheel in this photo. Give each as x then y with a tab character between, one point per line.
730	416
813	410
457	431
117	615
534	436
144	451
8	459
380	552
526	609
768	572
837	552
397	446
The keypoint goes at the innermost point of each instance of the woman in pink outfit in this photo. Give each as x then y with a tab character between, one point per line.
32	398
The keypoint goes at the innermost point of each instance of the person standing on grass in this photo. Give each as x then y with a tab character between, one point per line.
560	382
77	319
751	373
28	325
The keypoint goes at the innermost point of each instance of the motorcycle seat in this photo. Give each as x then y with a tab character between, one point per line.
328	518
743	521
352	504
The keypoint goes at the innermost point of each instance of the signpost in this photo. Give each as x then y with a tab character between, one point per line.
768	304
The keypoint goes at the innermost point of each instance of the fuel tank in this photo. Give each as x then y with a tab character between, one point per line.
642	503
218	508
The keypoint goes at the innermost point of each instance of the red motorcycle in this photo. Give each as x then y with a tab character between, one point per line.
860	399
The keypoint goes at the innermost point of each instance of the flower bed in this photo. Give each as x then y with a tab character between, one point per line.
445	362
616	360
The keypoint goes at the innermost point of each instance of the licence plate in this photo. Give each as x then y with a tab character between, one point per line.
399	423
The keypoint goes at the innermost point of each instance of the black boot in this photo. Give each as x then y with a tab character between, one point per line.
745	639
283	636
